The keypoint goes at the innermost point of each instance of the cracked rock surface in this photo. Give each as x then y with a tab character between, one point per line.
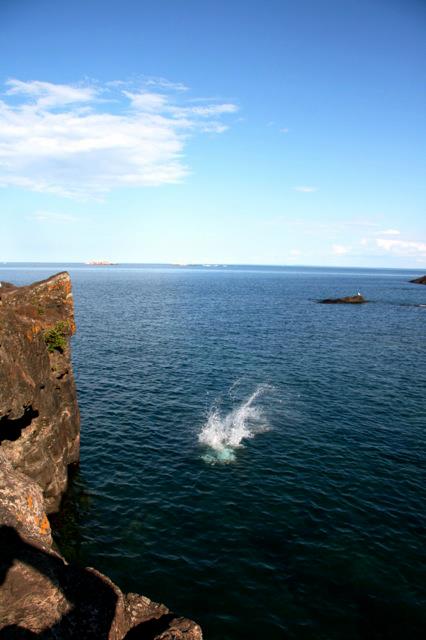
39	417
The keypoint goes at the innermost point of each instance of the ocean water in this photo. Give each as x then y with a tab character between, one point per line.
253	459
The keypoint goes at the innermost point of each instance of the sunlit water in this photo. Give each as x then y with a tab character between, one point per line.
249	457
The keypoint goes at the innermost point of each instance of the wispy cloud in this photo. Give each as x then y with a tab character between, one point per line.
147	101
163	83
214	109
272	123
340	249
403	248
305	189
48	95
389	232
85	140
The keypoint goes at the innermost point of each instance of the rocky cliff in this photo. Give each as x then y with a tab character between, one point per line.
41	595
39	419
421	280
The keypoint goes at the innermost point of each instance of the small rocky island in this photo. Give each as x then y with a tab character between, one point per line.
41	595
421	280
357	299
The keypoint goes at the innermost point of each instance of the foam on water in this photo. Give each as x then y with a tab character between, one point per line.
224	433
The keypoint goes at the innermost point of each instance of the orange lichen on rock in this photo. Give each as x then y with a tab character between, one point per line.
43	525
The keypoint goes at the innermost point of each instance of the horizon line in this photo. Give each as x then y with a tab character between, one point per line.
207	265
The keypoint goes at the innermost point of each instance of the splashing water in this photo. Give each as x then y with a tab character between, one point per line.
223	434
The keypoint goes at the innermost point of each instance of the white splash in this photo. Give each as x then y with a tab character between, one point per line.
223	434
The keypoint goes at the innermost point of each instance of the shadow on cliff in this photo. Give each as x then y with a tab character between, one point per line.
66	523
150	629
90	601
12	429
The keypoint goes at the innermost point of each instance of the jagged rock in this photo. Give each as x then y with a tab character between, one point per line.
358	299
421	280
41	595
22	505
39	417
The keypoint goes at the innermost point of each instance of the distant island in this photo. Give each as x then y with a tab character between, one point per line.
421	280
100	263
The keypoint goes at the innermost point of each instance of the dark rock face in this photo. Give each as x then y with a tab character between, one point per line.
39	418
421	280
358	299
41	595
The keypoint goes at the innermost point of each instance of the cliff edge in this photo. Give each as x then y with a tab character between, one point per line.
41	595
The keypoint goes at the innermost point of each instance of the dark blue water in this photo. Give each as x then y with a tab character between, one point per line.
315	527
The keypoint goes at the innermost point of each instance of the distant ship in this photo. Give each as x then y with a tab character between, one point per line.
100	263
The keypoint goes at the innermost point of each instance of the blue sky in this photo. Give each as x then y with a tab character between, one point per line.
250	132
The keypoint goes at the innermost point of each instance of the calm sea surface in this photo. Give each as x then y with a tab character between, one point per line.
252	459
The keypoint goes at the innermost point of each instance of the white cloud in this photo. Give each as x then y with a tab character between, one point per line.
214	109
214	127
147	101
206	111
389	232
403	248
47	94
340	249
163	83
284	130
83	141
305	189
